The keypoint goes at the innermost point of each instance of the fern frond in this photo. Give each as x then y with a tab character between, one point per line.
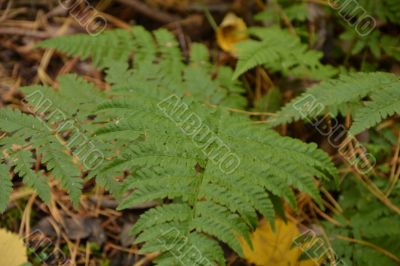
279	50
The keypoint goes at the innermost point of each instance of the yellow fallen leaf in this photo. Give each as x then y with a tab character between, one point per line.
274	248
231	31
12	249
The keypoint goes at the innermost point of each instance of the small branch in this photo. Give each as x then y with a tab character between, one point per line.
19	31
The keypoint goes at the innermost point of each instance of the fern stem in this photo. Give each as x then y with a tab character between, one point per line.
326	216
377	193
251	113
26	216
233	110
332	200
393	175
285	18
209	16
321	2
371	245
147	259
369	184
264	73
262	122
22	193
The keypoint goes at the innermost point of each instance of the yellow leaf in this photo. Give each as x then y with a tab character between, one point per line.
231	31
274	248
12	249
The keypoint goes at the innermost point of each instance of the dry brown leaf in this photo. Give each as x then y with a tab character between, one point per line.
231	31
12	249
274	248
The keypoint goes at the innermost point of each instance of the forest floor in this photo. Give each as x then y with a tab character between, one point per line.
95	233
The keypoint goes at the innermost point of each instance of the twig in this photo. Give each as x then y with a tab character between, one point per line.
198	7
19	31
148	258
149	12
4	15
117	22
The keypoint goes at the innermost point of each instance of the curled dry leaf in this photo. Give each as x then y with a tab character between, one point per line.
275	248
231	31
12	249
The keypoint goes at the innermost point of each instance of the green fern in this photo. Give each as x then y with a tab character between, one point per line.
279	50
204	198
165	163
344	94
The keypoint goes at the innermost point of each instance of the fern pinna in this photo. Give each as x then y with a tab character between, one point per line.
159	126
